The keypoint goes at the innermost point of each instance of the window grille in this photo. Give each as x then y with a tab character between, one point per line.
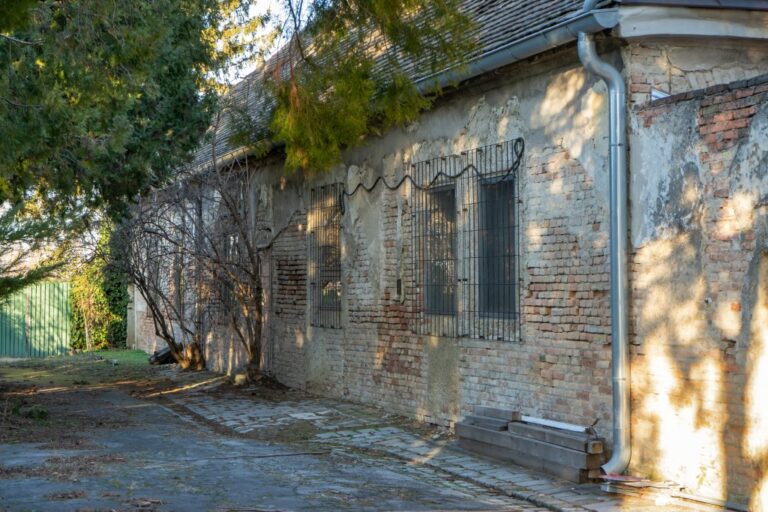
465	244
496	263
230	258
439	262
325	256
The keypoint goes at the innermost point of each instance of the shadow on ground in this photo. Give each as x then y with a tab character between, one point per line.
83	433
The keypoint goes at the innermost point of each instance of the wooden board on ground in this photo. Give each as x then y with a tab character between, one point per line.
486	422
532	448
493	412
572	440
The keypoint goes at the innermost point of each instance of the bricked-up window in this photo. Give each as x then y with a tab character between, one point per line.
324	224
465	244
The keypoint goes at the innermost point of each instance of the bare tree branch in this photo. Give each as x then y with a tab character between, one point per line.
20	41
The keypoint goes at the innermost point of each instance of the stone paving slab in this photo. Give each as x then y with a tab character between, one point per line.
357	427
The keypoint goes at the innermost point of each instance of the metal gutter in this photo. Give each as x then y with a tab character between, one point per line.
751	5
644	21
617	163
557	35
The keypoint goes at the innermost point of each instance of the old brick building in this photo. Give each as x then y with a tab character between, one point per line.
493	288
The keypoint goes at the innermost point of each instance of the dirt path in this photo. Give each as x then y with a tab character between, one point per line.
97	434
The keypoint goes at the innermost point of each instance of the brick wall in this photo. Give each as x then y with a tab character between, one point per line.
145	338
566	315
383	359
698	289
559	368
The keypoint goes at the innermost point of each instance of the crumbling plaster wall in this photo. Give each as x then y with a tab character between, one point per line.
699	236
677	65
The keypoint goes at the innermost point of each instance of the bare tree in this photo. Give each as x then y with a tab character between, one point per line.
195	252
231	247
149	248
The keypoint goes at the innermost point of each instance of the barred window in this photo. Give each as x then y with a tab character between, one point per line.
497	247
325	256
465	250
230	257
440	252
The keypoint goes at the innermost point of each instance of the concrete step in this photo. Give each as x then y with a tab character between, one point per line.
575	441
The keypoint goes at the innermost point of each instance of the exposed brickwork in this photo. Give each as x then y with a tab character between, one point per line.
724	118
146	339
289	302
383	357
561	368
693	274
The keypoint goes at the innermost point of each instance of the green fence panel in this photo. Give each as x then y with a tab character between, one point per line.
35	322
13	339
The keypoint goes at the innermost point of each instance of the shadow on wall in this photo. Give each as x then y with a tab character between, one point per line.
224	353
700	354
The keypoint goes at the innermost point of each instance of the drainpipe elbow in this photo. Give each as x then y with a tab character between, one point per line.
619	460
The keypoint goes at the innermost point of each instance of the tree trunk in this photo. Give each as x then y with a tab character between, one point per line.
88	345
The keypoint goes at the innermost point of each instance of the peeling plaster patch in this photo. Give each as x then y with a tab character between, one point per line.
690	66
573	114
428	149
751	160
362	227
680	207
661	186
392	166
262	212
756	444
489	124
728	320
731	63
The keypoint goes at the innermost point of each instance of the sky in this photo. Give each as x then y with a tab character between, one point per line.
278	11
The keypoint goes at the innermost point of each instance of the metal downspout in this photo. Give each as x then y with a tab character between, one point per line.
617	162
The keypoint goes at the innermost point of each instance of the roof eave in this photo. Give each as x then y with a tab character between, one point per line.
539	42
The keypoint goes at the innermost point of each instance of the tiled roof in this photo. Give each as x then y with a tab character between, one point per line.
497	23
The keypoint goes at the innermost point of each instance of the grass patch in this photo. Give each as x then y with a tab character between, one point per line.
100	367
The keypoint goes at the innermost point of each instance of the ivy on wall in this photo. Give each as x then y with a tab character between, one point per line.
100	298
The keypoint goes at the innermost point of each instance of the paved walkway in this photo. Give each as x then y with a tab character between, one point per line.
131	454
299	418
